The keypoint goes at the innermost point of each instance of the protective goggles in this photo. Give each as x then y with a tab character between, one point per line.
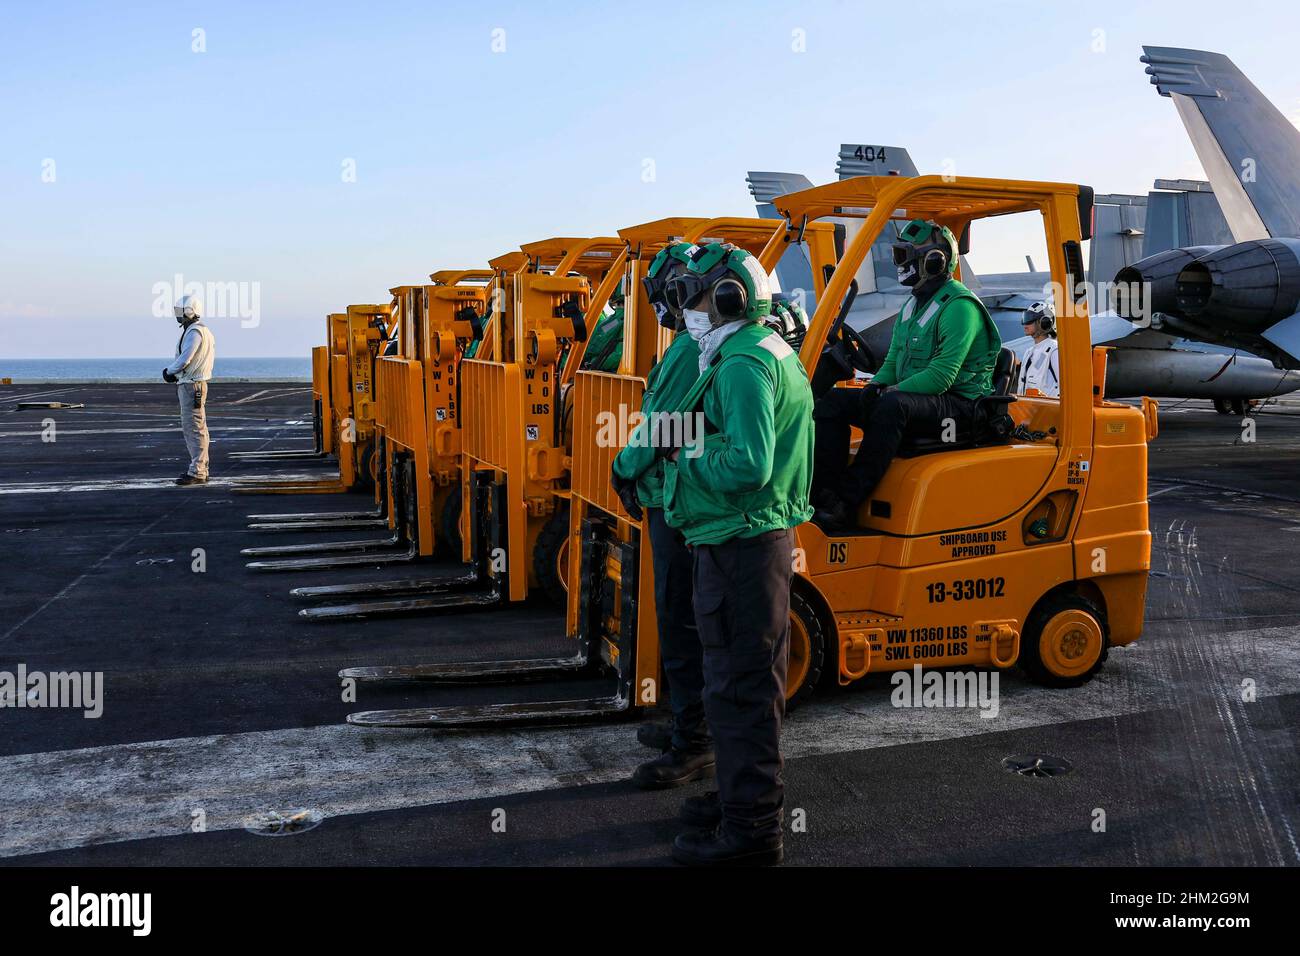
933	260
730	300
654	287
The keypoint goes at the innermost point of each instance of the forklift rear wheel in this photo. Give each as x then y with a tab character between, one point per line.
550	556
1064	642
807	652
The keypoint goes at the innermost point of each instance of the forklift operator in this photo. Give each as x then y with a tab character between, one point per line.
638	479
940	360
736	500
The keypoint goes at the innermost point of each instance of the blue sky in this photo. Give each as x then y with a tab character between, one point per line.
228	165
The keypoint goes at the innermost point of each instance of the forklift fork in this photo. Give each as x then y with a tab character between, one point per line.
338	560
280	455
585	660
463	587
539	712
323	547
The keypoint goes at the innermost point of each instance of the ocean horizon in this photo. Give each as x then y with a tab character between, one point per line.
42	371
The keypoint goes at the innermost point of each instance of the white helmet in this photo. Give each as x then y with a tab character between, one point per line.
189	308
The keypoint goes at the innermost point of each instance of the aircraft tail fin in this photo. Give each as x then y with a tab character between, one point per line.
765	187
859	159
1250	151
794	270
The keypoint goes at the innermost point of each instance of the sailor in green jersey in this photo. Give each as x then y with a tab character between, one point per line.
736	491
788	319
638	479
605	347
940	360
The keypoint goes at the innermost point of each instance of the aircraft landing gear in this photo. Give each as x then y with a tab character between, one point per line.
1233	406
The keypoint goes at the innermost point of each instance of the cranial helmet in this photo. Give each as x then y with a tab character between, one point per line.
925	250
188	309
736	284
671	260
788	318
1042	315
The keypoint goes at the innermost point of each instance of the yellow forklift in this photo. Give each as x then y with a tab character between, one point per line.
545	297
343	393
600	540
357	338
417	422
322	415
1021	545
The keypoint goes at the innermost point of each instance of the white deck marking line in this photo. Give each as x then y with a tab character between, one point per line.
148	484
82	576
137	431
1162	491
268	393
214	415
32	395
72	798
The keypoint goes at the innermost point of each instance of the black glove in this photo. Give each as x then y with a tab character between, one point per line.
626	491
871	391
169	377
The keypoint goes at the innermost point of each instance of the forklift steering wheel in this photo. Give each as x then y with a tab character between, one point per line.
859	352
849	351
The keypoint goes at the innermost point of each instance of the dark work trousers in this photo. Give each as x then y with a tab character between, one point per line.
742	606
885	419
679	640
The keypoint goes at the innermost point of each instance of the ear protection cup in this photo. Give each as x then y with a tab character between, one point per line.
730	299
935	263
1041	316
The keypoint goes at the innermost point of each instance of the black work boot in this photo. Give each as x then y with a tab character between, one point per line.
703	811
185	480
655	734
673	768
722	847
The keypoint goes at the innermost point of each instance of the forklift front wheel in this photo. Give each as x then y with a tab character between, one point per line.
451	522
807	651
550	556
367	469
1065	641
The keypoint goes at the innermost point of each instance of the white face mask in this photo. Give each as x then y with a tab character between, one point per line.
698	324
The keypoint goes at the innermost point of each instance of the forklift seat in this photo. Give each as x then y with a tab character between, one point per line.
992	423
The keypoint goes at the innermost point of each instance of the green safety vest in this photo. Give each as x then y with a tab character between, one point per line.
754	470
933	364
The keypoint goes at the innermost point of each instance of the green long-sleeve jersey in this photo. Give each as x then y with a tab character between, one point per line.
666	386
752	474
